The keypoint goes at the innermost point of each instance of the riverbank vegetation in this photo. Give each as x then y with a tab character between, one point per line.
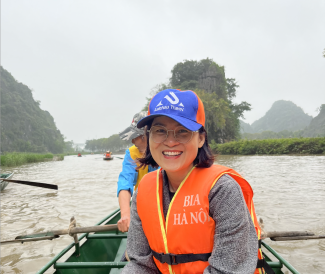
16	159
271	146
112	143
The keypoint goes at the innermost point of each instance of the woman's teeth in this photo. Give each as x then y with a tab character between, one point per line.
172	153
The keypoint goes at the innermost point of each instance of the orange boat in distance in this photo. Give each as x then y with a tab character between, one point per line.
108	156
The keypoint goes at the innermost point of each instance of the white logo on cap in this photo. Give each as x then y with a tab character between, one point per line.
173	102
176	100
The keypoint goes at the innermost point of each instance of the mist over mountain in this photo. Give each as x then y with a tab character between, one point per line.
283	115
25	127
245	127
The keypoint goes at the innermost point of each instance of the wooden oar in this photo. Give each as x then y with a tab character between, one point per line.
298	238
31	183
273	234
50	235
288	235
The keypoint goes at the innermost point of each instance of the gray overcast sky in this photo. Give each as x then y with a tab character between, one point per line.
92	63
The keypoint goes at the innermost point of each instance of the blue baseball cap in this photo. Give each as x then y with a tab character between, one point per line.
185	107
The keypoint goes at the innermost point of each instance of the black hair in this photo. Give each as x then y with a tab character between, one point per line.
204	157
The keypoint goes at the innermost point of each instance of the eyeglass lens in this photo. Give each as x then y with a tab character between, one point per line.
159	134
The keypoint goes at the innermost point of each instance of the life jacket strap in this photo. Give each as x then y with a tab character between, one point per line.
263	264
173	259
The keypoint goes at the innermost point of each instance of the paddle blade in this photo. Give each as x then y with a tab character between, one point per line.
37	235
50	186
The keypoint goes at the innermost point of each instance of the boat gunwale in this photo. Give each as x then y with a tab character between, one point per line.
65	250
280	258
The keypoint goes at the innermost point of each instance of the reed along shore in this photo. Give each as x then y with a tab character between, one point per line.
272	146
17	158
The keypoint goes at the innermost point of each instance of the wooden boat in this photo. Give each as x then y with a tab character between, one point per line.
3	184
101	253
108	158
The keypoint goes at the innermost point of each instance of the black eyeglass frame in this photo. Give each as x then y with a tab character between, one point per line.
149	130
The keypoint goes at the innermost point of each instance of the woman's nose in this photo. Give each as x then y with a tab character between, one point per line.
170	140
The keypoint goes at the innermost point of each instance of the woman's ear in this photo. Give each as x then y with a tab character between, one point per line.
201	139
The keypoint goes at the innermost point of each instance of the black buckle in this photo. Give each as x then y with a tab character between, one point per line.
169	258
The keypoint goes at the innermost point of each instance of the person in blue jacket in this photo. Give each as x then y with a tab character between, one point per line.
129	177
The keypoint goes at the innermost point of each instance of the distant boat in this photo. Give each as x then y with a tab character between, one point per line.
3	184
108	158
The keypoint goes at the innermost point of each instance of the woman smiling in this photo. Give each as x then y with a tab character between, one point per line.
190	216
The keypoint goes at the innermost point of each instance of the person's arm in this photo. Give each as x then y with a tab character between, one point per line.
124	199
235	241
125	184
138	248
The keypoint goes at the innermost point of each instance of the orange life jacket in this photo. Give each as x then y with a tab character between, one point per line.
188	228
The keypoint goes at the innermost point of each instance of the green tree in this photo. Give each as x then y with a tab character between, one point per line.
69	147
154	91
215	110
185	75
112	143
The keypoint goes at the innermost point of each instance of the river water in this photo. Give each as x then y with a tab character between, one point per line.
289	195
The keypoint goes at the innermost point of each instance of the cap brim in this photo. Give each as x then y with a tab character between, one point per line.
189	124
130	133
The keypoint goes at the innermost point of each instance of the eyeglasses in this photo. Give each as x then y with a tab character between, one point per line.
159	134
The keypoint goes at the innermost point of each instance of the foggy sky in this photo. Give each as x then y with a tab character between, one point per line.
93	63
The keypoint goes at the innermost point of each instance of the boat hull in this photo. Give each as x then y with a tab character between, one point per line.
3	184
102	252
108	158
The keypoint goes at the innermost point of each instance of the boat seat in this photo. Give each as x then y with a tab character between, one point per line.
117	261
68	265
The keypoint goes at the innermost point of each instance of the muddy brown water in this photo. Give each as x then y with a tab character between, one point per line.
289	195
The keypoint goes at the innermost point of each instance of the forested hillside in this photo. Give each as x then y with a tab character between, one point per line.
316	127
25	127
283	115
292	121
